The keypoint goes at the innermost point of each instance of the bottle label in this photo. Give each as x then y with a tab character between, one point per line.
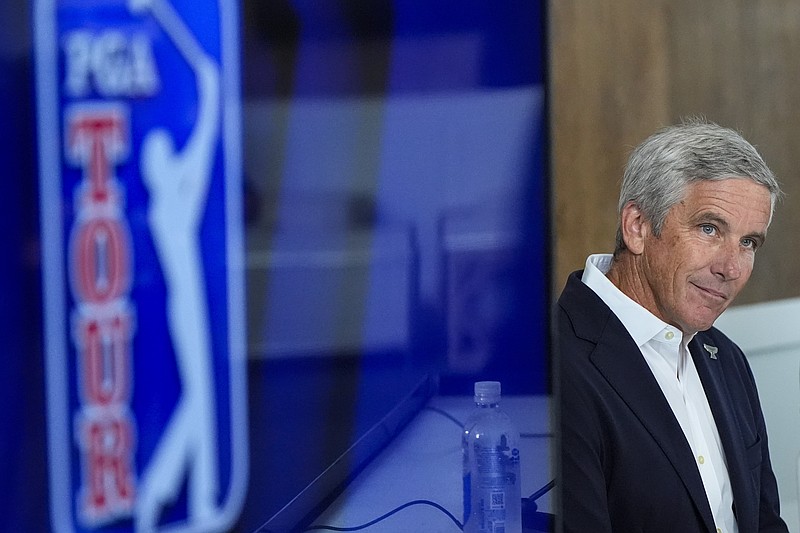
497	500
488	485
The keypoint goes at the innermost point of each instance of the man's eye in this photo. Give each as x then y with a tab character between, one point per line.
749	243
708	229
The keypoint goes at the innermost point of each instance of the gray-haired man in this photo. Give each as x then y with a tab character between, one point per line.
661	426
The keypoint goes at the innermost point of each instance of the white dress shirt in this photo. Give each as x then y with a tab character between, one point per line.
665	350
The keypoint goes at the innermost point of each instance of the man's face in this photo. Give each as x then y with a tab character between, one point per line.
705	253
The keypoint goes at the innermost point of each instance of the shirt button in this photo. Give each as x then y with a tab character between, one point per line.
669	336
719	530
701	459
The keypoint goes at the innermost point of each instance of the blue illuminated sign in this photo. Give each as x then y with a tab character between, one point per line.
142	250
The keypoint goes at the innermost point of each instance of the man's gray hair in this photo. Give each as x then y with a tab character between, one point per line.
660	168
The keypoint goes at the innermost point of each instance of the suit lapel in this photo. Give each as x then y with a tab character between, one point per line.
627	372
710	369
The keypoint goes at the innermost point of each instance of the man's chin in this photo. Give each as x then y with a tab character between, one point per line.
704	324
704	316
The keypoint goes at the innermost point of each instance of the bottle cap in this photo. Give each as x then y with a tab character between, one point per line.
487	391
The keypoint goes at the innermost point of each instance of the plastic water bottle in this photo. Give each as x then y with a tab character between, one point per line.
492	493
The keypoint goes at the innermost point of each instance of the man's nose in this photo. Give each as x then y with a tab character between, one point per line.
728	263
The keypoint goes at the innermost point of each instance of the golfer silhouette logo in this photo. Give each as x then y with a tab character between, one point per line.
177	179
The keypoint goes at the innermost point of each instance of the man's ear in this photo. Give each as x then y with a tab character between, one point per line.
635	228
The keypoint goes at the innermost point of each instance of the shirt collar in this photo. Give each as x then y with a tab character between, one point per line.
642	325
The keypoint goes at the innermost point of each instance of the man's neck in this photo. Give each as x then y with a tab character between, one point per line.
626	274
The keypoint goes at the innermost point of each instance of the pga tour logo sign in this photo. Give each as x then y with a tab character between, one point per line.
139	142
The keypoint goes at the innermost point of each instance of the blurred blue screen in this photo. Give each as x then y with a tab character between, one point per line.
395	158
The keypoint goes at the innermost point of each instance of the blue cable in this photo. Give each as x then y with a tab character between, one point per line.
387	515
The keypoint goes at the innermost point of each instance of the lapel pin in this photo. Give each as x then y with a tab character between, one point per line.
712	350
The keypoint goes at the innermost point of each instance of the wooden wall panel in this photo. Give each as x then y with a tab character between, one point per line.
622	69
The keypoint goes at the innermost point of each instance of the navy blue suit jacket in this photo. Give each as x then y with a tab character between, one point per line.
625	463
